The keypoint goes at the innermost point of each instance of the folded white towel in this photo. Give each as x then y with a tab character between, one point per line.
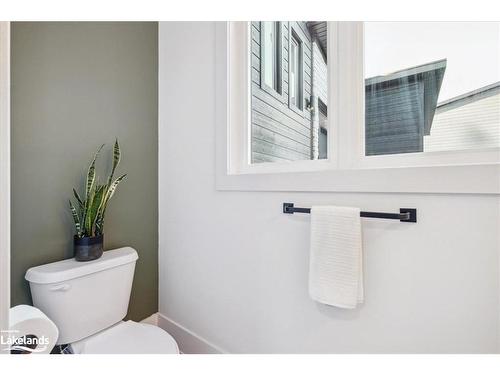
335	266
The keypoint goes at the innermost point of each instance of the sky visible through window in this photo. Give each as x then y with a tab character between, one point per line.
472	50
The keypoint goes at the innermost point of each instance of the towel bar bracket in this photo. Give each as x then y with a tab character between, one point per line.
411	215
406	215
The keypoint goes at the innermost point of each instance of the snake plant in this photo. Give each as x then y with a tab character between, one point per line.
90	209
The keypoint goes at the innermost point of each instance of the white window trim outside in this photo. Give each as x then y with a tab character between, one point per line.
4	176
278	70
443	172
300	107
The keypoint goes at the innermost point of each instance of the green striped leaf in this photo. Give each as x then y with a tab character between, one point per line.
91	172
110	193
116	160
114	185
87	223
76	219
96	207
80	201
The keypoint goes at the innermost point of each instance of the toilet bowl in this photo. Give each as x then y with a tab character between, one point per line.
128	338
87	302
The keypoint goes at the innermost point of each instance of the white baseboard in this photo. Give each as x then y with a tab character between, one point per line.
188	341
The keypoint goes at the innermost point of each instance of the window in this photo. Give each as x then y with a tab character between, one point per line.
270	55
431	87
375	97
295	80
282	129
323	129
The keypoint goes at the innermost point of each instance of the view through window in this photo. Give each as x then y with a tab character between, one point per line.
288	91
431	86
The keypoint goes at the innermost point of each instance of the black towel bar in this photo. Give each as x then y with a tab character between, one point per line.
407	215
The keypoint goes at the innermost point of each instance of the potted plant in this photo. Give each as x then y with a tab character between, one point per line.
89	212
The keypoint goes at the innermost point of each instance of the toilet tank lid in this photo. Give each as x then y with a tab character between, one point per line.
68	269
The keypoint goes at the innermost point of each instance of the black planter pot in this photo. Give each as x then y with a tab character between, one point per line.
88	248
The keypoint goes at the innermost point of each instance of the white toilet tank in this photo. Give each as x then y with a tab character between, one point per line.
83	298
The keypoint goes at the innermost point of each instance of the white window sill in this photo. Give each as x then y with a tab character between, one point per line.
469	179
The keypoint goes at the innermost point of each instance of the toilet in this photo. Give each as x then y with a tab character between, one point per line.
87	302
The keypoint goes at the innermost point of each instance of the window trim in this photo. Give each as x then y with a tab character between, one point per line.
278	94
293	34
467	157
343	171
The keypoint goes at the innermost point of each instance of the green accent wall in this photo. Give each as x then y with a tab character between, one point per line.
76	85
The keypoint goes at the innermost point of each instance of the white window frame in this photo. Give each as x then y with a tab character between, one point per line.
296	64
276	89
299	107
417	159
346	169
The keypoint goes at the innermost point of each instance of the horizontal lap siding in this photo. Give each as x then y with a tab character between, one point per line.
298	133
278	132
393	119
473	124
320	75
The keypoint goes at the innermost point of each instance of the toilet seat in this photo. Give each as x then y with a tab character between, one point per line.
128	338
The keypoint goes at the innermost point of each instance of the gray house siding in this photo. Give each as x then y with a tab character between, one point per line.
400	108
320	74
471	121
393	119
280	133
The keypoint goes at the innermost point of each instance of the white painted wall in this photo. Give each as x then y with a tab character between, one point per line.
233	268
4	176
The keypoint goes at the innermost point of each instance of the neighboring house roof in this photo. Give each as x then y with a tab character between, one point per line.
318	30
430	74
473	95
468	121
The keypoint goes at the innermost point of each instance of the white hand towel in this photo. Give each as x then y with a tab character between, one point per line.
335	266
